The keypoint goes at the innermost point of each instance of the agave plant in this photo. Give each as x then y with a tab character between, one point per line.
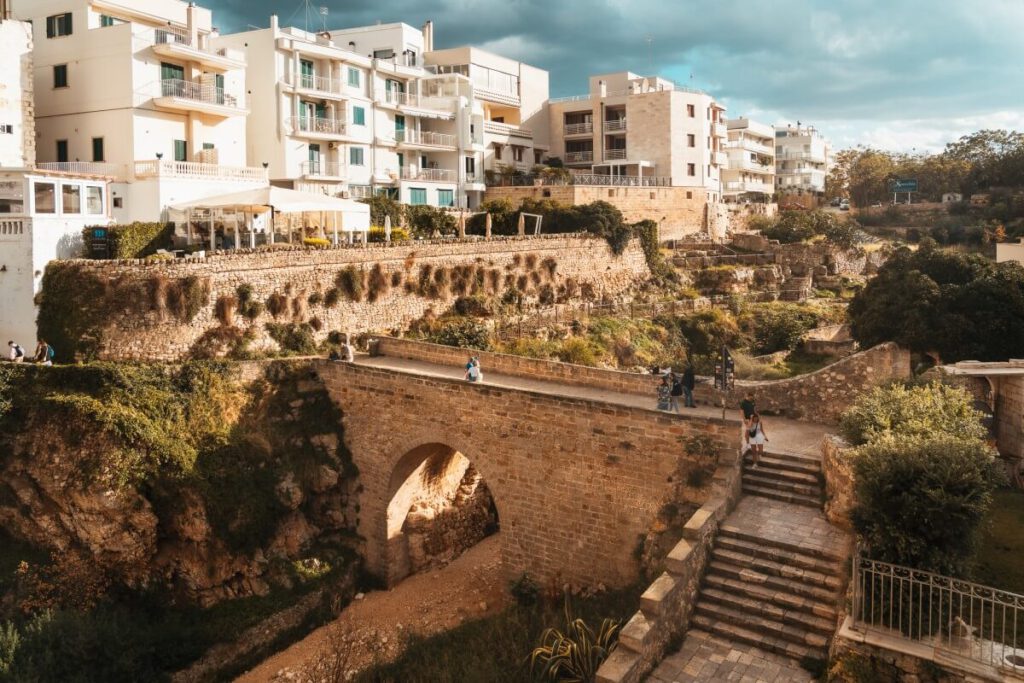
575	654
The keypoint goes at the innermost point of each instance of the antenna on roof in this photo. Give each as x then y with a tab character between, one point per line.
650	60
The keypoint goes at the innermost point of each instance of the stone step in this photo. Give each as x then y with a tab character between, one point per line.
790	464
755	478
784	475
740	634
750	606
795	498
797	559
765	628
785	598
733	531
761	565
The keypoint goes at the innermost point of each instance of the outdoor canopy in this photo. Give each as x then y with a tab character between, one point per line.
355	216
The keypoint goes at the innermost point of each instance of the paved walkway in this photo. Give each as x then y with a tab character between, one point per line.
706	657
785	436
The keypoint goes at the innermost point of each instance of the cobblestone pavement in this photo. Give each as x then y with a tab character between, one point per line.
705	657
787	523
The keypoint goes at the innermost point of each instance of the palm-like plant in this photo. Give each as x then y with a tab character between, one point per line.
575	654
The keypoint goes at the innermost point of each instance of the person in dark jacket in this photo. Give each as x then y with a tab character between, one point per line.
689	382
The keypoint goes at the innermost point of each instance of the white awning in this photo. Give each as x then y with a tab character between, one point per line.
355	215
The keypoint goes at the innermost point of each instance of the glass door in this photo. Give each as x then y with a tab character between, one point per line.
399	128
314	159
307	78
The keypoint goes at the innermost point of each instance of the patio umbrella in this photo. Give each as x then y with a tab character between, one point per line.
522	224
462	224
487	226
387	228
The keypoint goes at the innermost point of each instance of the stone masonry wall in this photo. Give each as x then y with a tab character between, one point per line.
838	473
298	274
540	455
680	211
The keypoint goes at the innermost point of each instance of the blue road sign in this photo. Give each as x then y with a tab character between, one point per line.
905	185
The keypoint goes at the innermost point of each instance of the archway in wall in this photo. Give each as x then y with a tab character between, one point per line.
439	507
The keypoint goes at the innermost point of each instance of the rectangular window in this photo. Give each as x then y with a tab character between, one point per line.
62	150
180	150
71	198
517	153
399	124
93	200
60	76
355	156
691	169
6	129
689	195
359	116
353	77
445	198
383	54
306	67
691	140
58	25
471	166
45	198
691	111
118	202
208	145
417	196
106	20
411	59
97	150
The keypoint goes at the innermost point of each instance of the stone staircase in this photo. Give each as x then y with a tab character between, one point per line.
789	478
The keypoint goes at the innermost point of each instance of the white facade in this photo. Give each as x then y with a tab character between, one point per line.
17	124
751	151
135	90
802	160
635	126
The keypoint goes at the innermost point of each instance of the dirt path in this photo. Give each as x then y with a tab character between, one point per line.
372	627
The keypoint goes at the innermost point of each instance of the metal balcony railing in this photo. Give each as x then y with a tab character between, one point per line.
322	168
441	175
319	126
614	154
579	128
615	124
199	92
579	157
160	168
417	137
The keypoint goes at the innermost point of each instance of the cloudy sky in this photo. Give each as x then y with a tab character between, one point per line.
897	74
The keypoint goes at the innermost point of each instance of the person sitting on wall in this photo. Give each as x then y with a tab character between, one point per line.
44	353
17	354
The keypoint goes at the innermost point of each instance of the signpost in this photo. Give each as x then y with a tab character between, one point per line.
99	244
907	185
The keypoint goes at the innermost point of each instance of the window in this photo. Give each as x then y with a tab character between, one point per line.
180	150
93	200
6	129
359	116
308	74
106	20
45	198
537	155
417	196
691	169
691	111
71	198
410	58
118	202
399	125
471	166
691	140
517	153
445	198
62	150
97	150
12	196
355	156
498	149
58	25
208	145
60	76
384	54
353	77
689	195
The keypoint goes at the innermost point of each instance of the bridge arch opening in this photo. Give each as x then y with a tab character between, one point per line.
439	506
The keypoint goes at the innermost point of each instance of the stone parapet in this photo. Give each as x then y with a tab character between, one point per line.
838	472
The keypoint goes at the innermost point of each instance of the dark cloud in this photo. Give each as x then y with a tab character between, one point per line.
872	61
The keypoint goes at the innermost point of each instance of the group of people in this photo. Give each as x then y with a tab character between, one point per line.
753	429
43	355
473	371
674	385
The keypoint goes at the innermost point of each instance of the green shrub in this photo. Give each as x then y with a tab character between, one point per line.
912	411
578	351
524	590
382	206
425	220
351	282
248	307
293	338
398	234
317	242
467	334
779	326
135	240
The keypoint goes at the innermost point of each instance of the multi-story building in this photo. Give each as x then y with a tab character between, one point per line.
633	126
42	213
802	159
136	90
751	151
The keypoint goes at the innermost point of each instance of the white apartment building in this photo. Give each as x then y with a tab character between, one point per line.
802	160
42	213
136	90
629	126
750	148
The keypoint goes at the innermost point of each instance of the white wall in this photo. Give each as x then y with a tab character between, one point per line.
17	148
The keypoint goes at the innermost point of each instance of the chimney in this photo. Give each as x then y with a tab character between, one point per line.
192	24
428	36
602	89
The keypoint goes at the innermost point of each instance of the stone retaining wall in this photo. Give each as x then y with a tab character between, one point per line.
301	279
667	604
838	472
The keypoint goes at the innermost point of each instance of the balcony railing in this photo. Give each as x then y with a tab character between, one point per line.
744	186
172	36
585	179
437	175
323	168
584	157
952	616
199	92
83	168
498	128
313	82
614	154
159	168
579	128
318	126
416	137
615	124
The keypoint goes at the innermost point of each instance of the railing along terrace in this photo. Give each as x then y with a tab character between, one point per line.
151	168
579	128
309	124
432	174
314	82
583	179
322	168
83	168
415	137
966	619
197	92
579	157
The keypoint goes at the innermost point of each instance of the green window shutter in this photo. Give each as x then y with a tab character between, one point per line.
51	27
97	149
67	24
353	77
399	123
180	150
355	156
445	198
417	196
359	116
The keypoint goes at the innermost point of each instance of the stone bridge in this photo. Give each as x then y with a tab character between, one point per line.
577	474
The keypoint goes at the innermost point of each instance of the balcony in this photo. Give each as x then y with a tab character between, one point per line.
318	85
322	169
813	157
158	168
507	129
720	158
586	128
177	44
584	157
719	129
432	175
418	105
615	125
93	168
184	96
742	186
425	139
310	127
751	145
614	154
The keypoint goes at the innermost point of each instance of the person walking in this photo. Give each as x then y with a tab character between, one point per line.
664	394
756	439
17	354
44	353
689	382
347	353
748	407
677	390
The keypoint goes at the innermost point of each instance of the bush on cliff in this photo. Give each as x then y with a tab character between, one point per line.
135	240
